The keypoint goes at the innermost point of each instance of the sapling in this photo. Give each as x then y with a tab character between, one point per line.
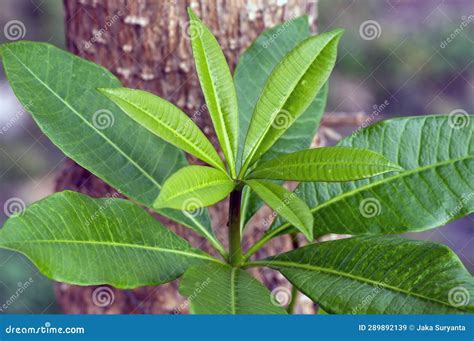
401	175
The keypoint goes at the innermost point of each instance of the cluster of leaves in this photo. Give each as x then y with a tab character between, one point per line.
411	171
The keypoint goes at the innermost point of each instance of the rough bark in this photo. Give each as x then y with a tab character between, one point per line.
146	44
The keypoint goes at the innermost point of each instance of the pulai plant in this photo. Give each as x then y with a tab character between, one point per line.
401	175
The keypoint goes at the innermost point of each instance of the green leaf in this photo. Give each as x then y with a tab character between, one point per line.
286	204
288	92
435	187
78	240
325	164
90	129
194	187
221	289
166	121
263	55
381	275
218	88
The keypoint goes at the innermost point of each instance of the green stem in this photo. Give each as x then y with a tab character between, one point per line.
265	238
292	304
235	250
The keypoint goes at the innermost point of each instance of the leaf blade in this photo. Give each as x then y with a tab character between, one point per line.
68	231
285	203
194	187
165	121
218	88
220	289
420	288
289	91
329	164
66	105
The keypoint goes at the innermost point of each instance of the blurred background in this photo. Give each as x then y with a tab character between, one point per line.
409	57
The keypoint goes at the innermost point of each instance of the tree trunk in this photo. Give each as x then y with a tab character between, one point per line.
146	44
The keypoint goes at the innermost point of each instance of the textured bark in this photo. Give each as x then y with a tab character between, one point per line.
146	44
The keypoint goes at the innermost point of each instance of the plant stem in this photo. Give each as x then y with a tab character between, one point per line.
235	250
292	304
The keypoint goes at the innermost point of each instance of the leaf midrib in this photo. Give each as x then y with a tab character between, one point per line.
323	164
113	244
212	183
220	117
204	154
85	121
362	188
310	267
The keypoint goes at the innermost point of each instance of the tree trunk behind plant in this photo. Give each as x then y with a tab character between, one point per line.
146	44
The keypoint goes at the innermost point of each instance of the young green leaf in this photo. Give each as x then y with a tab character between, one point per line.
218	88
286	204
194	187
78	240
434	188
325	164
221	289
379	275
289	91
66	105
166	121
